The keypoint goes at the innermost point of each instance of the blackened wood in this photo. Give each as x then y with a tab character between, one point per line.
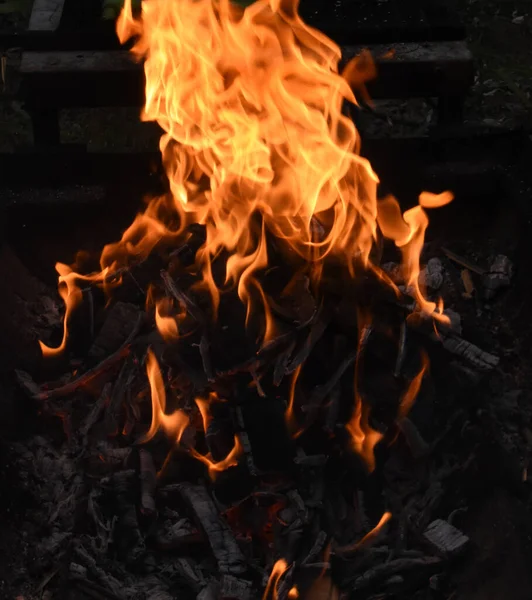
115	330
81	79
436	70
234	588
382	572
92	374
148	482
222	542
46	15
62	79
445	539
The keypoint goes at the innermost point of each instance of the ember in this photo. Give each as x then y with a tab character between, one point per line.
254	366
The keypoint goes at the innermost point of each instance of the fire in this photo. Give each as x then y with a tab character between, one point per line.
256	147
173	425
217	467
412	391
369	537
364	437
166	324
278	570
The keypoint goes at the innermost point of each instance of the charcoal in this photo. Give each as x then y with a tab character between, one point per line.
445	539
432	274
114	331
221	540
498	277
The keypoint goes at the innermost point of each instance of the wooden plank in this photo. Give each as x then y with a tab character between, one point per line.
39	63
111	78
46	15
81	79
419	70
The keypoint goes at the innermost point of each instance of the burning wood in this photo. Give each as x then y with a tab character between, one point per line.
262	359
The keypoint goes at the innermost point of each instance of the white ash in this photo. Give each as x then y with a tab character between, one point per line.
431	276
498	277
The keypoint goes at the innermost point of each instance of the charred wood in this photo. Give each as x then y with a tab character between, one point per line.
230	559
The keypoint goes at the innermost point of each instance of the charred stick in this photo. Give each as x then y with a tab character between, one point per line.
256	381
181	297
148	482
206	358
93	590
240	429
402	350
95	372
127	532
463	262
333	411
116	402
316	332
381	573
189	572
317	548
418	446
114	331
96	412
458	346
322	391
234	588
109	583
222	542
280	364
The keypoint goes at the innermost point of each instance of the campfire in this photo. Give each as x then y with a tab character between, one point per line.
241	366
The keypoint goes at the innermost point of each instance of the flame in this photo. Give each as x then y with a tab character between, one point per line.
293	593
369	537
408	232
412	391
203	407
256	147
174	425
279	568
256	108
289	415
363	437
166	325
230	460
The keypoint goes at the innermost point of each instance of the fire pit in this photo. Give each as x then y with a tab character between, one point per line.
272	386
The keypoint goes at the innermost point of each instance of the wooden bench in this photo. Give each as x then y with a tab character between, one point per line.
56	79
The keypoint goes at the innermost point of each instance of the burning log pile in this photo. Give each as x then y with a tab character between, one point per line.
240	382
209	465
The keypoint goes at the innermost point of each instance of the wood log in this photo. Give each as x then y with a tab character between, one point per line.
230	559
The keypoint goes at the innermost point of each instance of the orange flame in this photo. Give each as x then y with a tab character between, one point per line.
256	146
257	109
363	437
174	425
166	325
278	570
293	593
203	407
289	416
72	296
230	460
409	397
370	536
